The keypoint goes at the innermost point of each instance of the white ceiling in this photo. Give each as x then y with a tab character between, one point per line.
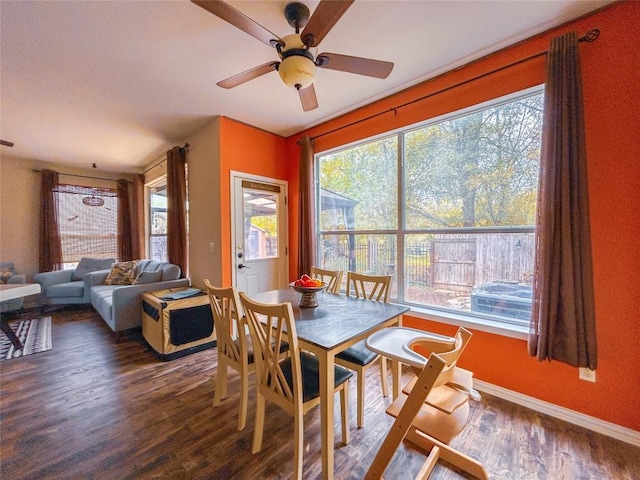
118	83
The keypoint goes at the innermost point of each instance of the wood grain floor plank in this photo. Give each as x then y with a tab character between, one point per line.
91	408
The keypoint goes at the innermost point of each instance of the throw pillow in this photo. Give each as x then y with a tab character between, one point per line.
148	277
122	273
7	273
87	265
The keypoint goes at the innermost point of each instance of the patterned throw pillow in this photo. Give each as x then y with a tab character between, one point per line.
122	273
7	273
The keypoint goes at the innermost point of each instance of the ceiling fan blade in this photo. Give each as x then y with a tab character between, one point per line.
359	65
324	17
238	19
250	74
308	98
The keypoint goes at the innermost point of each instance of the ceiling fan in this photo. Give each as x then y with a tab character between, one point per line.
297	65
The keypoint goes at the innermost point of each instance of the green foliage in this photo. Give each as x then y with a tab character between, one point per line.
479	169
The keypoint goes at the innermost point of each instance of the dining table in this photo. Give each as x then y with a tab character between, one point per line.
338	322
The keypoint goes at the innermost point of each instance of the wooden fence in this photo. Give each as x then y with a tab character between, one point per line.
455	262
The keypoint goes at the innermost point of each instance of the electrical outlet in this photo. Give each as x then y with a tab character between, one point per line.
587	374
212	247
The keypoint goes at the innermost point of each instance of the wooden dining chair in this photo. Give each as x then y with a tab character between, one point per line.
291	382
434	406
233	344
332	277
358	357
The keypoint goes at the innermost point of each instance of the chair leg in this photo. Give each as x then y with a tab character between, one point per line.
344	407
298	446
259	425
244	400
384	377
361	379
221	383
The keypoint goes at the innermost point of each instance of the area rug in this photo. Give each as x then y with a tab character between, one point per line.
35	335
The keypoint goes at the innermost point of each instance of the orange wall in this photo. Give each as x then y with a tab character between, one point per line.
245	149
611	78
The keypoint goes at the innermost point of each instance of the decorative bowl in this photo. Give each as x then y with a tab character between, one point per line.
308	298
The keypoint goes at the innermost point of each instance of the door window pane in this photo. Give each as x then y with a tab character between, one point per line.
260	224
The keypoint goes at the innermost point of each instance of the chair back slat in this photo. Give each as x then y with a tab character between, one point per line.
227	322
449	355
333	278
270	326
370	287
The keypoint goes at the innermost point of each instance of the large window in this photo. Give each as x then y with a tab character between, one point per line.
157	217
87	222
448	208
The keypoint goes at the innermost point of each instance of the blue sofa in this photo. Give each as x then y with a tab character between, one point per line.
70	286
120	305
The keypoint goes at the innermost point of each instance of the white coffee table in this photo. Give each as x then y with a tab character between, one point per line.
10	291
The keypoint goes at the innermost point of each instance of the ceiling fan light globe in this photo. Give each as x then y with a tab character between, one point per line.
297	71
292	41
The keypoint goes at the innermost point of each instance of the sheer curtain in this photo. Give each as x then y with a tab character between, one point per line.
306	209
125	239
563	310
177	208
50	255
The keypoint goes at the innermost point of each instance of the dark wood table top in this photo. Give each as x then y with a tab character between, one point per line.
337	319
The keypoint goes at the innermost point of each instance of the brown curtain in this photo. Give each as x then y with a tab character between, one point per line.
50	255
177	208
306	209
125	240
563	310
137	218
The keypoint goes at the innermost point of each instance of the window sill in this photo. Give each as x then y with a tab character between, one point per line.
482	325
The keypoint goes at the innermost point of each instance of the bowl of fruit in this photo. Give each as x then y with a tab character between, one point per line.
308	287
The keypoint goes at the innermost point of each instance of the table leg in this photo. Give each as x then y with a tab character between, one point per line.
17	344
327	381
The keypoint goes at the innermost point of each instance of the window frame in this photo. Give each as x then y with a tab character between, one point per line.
104	192
159	181
475	320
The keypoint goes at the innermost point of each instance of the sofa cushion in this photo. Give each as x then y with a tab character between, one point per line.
170	271
148	265
67	289
148	277
122	273
87	265
102	301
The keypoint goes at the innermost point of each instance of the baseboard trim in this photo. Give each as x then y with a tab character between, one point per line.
592	423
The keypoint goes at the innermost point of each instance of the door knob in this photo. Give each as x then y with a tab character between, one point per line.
243	266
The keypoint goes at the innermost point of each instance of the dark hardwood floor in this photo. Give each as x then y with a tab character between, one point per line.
94	409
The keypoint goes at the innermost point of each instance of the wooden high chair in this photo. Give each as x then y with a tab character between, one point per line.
434	407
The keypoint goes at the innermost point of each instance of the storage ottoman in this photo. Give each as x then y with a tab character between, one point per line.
175	328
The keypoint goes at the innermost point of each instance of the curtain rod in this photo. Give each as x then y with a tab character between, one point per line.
35	170
186	147
590	36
